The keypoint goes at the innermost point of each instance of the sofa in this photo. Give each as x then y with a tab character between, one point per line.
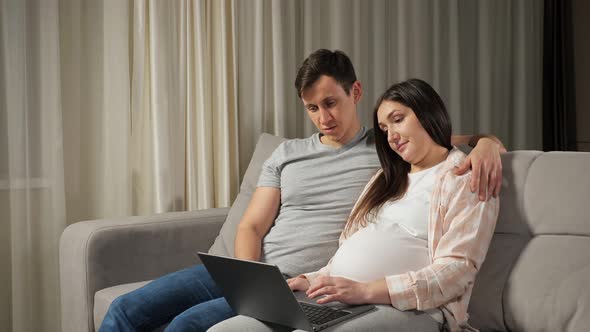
536	276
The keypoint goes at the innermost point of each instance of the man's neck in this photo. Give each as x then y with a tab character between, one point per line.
337	144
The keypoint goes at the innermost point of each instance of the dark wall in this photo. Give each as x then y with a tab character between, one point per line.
581	30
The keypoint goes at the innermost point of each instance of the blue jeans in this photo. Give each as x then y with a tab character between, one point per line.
188	298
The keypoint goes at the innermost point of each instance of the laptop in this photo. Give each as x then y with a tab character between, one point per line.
260	290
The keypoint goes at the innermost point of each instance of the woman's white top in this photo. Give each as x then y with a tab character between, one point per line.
396	241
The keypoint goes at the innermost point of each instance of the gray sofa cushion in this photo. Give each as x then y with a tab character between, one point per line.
224	243
511	235
486	310
532	277
548	287
557	194
104	297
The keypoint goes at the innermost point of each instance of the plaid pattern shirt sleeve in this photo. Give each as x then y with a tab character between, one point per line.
460	231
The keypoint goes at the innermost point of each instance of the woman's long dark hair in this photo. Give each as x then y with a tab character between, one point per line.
392	183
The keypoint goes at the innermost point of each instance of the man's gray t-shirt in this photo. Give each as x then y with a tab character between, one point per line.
319	185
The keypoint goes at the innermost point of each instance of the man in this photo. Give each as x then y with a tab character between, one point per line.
304	195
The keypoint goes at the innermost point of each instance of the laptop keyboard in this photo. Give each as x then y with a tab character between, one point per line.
320	315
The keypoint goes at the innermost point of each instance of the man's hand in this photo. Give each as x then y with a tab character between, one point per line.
298	283
338	289
487	168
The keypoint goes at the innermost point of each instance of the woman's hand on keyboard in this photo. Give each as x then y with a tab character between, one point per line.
299	283
338	289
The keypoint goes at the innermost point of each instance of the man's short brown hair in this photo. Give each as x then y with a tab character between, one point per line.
335	64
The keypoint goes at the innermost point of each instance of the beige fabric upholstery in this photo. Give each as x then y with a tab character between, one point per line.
534	278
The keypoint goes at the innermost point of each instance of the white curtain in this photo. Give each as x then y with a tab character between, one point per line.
32	206
183	106
483	57
113	107
151	110
109	108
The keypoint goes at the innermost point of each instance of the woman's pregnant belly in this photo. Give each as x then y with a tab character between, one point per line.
376	252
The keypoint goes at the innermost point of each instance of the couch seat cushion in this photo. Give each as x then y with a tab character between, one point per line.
103	299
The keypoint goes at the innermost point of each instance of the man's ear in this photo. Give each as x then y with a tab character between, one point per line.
357	91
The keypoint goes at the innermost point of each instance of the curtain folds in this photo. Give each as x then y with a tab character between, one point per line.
32	206
183	106
134	107
134	101
150	113
484	58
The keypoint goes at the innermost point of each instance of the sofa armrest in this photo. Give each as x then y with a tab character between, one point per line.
98	254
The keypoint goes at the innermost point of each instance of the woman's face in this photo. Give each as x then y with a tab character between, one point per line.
405	133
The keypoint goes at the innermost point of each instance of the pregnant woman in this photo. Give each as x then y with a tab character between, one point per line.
418	235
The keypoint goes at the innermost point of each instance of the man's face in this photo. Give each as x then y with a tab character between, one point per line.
332	111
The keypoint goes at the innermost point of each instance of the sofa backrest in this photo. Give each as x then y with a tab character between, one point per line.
537	269
548	287
536	274
511	236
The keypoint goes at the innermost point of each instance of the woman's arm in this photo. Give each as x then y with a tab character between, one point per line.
468	226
